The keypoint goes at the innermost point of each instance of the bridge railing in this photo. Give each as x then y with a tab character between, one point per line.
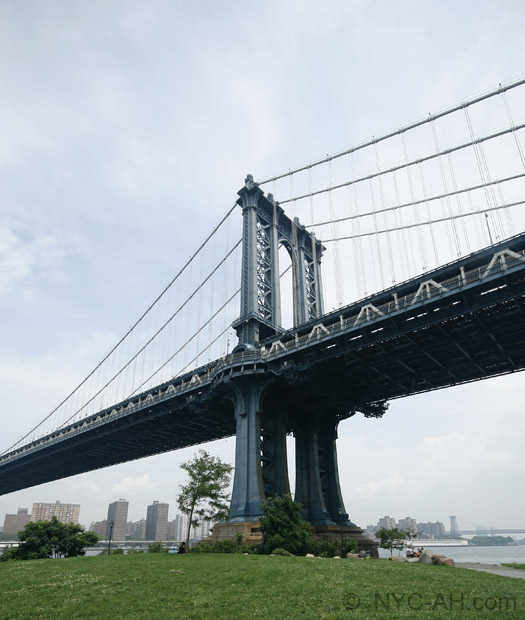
369	313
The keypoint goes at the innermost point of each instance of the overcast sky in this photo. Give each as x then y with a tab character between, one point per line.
127	128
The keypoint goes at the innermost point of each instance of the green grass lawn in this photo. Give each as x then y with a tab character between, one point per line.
236	586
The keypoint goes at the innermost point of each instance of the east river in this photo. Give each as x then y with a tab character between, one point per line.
483	555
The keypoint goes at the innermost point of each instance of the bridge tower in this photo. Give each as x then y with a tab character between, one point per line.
454	529
264	411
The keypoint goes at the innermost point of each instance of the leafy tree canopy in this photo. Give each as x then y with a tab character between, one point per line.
51	539
392	538
283	527
204	497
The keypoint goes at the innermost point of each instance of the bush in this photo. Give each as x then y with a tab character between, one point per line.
157	547
279	551
283	527
232	545
329	548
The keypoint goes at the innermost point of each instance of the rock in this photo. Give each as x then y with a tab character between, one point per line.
310	555
412	560
426	557
397	558
352	556
442	560
362	554
337	557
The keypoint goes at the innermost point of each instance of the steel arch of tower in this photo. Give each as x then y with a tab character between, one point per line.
263	410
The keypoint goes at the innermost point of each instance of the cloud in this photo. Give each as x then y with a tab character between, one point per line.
129	485
21	260
392	484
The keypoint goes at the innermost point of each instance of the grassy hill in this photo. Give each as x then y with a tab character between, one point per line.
236	586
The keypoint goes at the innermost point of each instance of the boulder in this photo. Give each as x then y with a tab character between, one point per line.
310	555
397	558
352	556
426	557
441	559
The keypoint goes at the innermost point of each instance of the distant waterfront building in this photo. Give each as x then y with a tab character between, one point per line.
99	527
407	525
170	530
15	523
180	529
386	522
136	530
157	521
118	514
65	513
434	529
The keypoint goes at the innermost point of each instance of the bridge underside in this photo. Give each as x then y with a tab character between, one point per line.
304	386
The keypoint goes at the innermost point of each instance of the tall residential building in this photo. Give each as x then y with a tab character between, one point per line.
137	529
435	529
99	527
118	515
65	513
387	522
180	529
407	525
157	521
15	523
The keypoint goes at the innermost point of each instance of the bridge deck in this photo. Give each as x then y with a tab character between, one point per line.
460	323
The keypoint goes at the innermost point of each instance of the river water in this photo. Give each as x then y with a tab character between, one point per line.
483	555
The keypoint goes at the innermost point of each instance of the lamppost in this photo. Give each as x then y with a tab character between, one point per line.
111	524
341	524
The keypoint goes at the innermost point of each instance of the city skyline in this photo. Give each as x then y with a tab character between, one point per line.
122	151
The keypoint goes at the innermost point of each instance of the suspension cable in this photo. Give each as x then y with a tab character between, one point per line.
440	114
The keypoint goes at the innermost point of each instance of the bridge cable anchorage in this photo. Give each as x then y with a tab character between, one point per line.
390	134
434	221
125	339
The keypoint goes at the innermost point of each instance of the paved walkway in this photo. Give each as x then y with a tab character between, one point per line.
504	571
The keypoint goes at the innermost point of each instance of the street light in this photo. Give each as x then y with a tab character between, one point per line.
341	524
111	524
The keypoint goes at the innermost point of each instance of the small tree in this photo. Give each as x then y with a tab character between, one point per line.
204	497
51	539
283	527
392	538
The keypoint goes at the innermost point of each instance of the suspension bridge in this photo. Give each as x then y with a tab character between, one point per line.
427	234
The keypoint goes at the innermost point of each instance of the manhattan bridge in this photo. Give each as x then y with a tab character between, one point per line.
388	269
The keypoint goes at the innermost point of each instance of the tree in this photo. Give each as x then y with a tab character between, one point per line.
51	539
392	538
204	497
283	527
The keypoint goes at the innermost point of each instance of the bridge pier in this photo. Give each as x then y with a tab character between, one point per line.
317	478
248	489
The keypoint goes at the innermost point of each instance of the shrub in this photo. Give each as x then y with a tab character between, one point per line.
279	551
283	527
156	547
